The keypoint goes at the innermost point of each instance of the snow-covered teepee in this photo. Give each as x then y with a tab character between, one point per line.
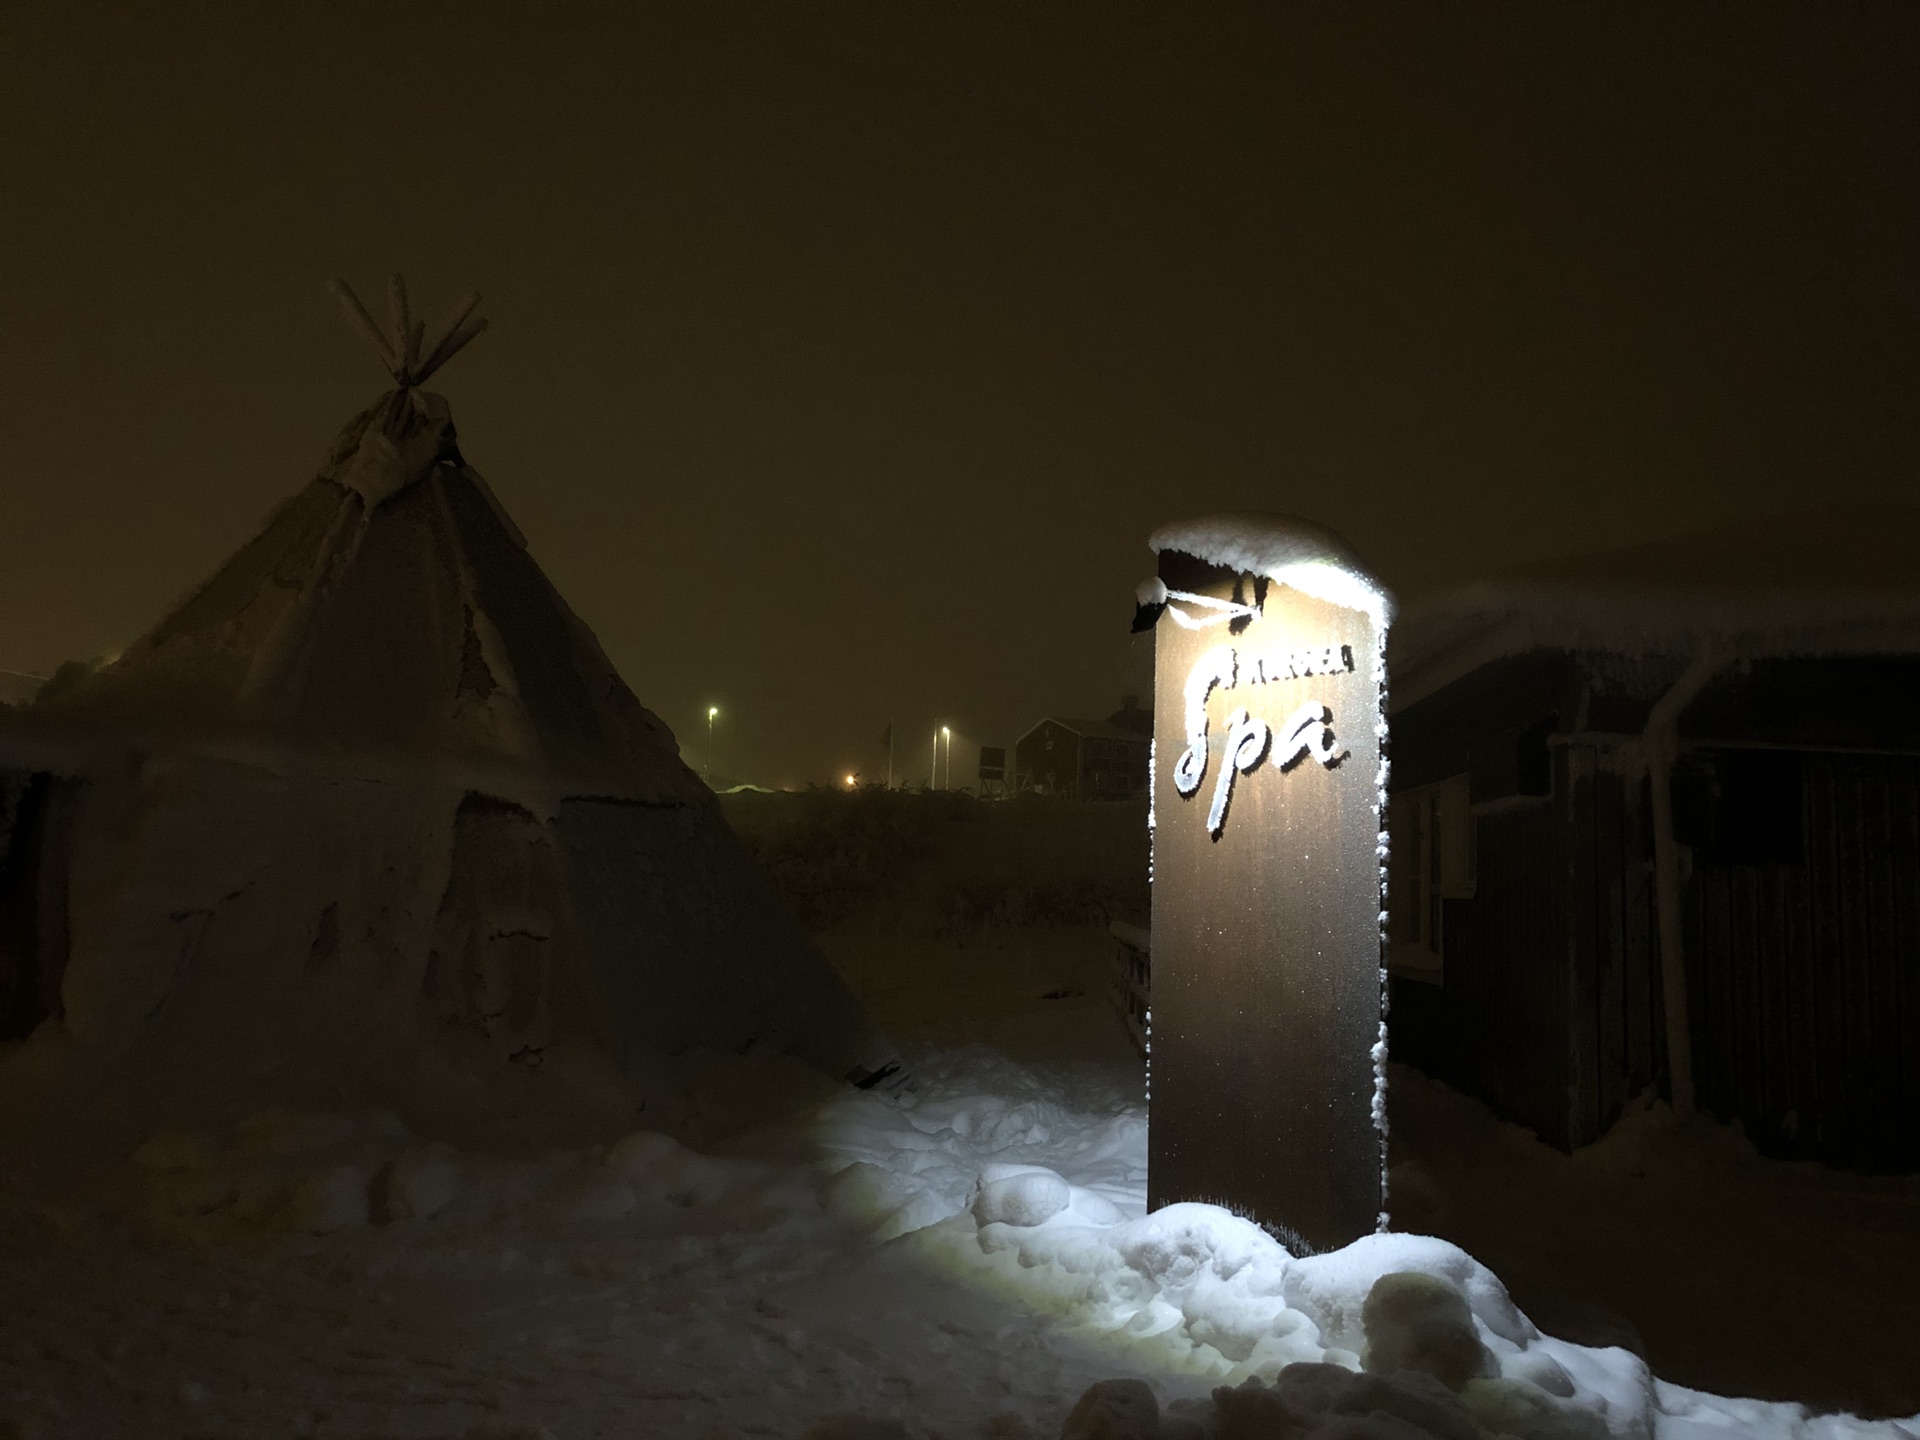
381	806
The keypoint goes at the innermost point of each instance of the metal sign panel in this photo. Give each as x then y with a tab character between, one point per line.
1267	1041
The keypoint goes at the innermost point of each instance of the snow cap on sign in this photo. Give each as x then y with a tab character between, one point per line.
1297	553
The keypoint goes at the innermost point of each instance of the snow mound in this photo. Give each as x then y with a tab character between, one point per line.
1418	1322
1031	1195
416	1185
1114	1410
319	1174
1197	1289
1396	1335
1325	1286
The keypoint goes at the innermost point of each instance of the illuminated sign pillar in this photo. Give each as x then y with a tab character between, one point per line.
1268	1043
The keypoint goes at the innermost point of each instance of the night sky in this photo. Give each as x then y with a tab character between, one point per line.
843	356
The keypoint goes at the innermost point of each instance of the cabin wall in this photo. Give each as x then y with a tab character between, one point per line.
1497	1026
1550	1009
1840	702
1491	725
1801	903
1617	1035
1804	974
35	808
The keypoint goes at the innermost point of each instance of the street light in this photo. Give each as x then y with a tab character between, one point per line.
712	712
948	734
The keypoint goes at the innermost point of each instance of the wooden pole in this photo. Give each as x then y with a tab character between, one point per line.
448	341
1662	746
363	322
400	324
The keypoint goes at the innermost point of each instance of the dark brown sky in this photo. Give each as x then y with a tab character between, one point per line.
843	356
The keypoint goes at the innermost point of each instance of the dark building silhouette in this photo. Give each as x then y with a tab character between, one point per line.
1087	759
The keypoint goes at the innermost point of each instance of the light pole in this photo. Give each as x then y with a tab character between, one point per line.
712	712
933	772
947	735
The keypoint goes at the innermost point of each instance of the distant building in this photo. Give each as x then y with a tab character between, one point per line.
1087	759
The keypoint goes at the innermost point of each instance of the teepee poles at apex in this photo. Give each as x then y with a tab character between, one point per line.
401	346
1269	863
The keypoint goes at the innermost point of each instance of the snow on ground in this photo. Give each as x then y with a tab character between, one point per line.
964	1259
332	1274
746	1249
1733	1272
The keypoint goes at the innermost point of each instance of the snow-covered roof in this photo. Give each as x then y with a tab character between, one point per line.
1298	553
1832	581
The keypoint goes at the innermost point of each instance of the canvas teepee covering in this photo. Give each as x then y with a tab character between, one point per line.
390	806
